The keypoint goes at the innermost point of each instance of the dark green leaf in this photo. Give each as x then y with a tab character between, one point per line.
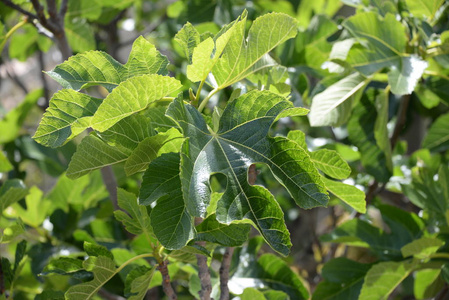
10	192
232	235
437	138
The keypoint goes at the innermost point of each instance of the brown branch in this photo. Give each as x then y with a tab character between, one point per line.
224	273
43	80
51	8
204	275
63	8
109	296
168	289
20	9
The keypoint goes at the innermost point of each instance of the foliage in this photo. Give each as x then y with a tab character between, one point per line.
230	117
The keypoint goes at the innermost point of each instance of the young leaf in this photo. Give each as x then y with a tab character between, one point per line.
383	278
137	221
36	208
99	68
422	248
103	269
348	194
10	192
137	282
424	9
152	147
437	138
243	56
132	96
171	222
240	141
5	165
428	283
232	235
188	38
331	163
92	154
68	115
333	106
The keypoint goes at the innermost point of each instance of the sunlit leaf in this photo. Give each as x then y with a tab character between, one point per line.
348	194
422	248
331	163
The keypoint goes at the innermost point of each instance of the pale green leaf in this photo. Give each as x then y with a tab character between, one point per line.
134	217
437	138
80	35
403	78
171	222
103	269
424	9
298	137
188	38
333	106
428	283
244	55
232	235
11	124
36	208
99	68
348	194
152	147
207	53
383	278
68	115
93	153
10	192
331	163
422	248
240	141
5	165
132	96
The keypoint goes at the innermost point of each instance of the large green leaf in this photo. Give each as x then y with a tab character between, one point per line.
152	147
68	115
361	129
132	96
343	280
93	153
137	221
171	222
270	272
437	137
333	106
383	278
348	194
10	192
232	235
384	46
99	68
331	163
244	55
103	269
240	141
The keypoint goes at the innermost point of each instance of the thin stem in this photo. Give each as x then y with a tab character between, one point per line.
131	260
439	255
432	73
224	273
10	32
198	93
204	102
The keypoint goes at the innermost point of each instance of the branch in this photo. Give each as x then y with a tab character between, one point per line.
224	273
168	289
63	8
51	7
203	273
19	9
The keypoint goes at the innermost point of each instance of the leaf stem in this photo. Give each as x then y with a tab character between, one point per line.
131	260
198	93
10	32
432	73
204	102
440	255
